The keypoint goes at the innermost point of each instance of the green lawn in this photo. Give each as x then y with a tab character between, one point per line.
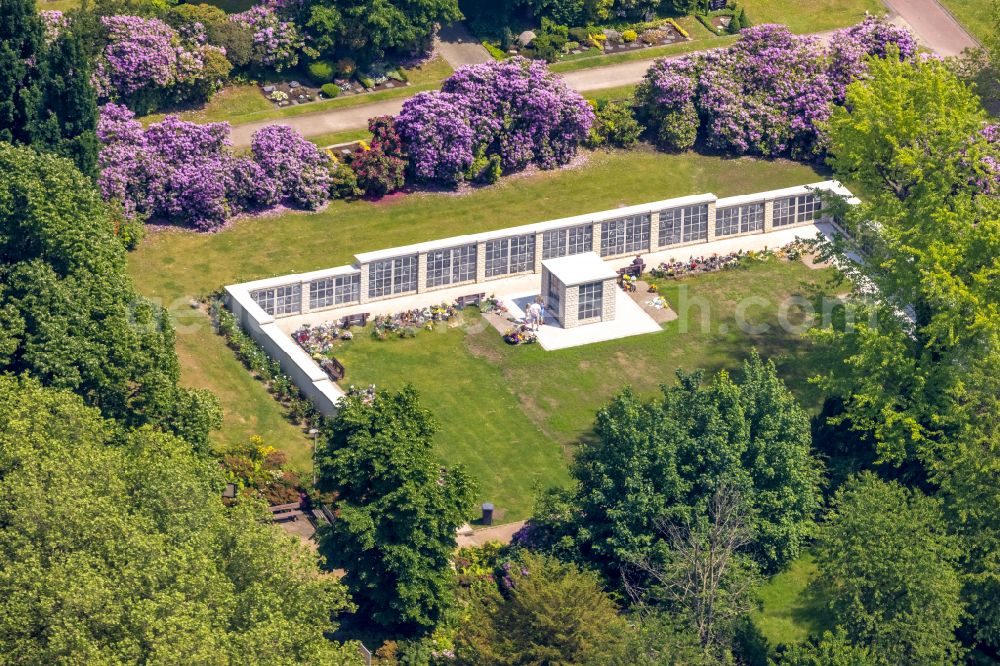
800	17
245	103
513	415
176	266
976	15
790	611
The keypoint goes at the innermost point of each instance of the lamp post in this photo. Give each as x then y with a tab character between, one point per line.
315	435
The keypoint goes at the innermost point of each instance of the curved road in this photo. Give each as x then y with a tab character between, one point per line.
933	25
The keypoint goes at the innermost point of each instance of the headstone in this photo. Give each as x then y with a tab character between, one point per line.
487	513
526	37
293	84
716	5
390	84
269	89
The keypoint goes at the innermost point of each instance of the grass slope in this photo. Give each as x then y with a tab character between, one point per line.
513	415
173	267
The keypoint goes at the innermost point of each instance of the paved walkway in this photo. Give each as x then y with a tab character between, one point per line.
934	27
458	47
502	533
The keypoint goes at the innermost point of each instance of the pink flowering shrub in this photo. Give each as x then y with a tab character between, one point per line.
298	166
186	173
146	62
276	43
515	109
767	94
55	22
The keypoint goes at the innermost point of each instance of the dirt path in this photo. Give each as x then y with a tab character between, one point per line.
458	47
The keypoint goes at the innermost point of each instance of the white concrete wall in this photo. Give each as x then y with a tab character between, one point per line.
314	382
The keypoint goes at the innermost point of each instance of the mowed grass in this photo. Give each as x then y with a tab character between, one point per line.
175	266
790	611
812	16
246	103
514	415
977	16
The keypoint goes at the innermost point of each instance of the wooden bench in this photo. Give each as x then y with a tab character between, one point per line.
470	299
333	367
359	319
635	269
287	515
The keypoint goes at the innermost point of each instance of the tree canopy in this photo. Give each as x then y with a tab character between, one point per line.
664	460
889	569
397	510
71	315
544	612
918	372
115	547
46	97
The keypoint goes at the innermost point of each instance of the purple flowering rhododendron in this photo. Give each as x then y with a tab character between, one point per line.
146	53
276	43
516	109
767	94
186	173
300	168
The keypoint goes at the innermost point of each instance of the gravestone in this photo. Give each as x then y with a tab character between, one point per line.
716	5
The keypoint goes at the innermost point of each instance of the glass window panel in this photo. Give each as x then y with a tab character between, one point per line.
808	206
522	253
496	257
591	300
347	289
265	299
288	300
392	276
438	268
727	221
554	243
580	239
695	223
670	227
751	218
612	238
784	211
321	293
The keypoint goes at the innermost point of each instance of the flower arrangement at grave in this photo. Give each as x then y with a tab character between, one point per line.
521	334
321	339
405	324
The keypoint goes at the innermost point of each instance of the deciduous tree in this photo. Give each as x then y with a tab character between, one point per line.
115	548
396	508
889	569
73	318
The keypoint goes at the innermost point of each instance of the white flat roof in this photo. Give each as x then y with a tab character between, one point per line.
579	268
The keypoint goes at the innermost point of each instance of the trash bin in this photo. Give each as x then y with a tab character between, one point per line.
488	513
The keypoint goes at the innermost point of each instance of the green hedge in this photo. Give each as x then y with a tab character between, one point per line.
322	71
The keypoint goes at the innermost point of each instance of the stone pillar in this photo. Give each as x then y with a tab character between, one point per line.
363	285
654	231
421	272
711	221
539	244
768	215
610	293
304	289
571	306
481	261
597	238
